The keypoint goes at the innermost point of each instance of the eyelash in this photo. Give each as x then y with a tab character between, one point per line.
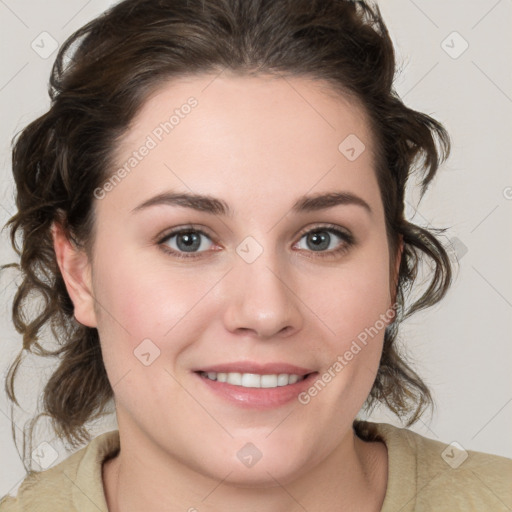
346	237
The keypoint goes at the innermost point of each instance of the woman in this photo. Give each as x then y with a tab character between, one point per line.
213	209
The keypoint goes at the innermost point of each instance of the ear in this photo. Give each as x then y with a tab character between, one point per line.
75	268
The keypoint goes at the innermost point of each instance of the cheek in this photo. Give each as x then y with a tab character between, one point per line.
357	295
357	312
137	301
146	305
133	294
357	309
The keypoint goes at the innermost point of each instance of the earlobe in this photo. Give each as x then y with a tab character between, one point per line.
74	266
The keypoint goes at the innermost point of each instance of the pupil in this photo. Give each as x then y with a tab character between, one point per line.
188	241
320	240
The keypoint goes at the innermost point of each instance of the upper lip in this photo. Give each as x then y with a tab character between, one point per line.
257	368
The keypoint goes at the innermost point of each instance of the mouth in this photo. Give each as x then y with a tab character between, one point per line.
256	386
254	380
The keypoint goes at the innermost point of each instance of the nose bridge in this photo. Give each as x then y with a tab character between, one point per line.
260	297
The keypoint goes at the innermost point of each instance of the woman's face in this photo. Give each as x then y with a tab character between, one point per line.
270	276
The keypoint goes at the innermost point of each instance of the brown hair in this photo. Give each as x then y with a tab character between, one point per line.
101	78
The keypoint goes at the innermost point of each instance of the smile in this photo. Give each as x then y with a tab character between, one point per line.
263	390
254	380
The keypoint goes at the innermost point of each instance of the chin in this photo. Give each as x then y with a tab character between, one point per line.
273	473
261	464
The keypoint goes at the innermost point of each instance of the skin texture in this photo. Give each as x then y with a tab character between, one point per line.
258	143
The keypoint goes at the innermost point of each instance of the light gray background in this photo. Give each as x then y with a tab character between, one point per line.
462	347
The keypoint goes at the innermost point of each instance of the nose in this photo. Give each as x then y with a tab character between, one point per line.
260	299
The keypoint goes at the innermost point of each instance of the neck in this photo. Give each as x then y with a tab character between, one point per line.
353	477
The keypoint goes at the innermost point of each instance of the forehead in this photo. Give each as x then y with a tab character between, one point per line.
227	132
268	101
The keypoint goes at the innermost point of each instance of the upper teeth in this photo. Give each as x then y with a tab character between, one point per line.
254	380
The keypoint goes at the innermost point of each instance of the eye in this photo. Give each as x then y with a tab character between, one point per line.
185	242
190	242
326	239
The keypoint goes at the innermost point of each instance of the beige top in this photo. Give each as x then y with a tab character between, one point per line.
423	475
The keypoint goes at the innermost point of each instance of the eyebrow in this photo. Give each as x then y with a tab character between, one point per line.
214	206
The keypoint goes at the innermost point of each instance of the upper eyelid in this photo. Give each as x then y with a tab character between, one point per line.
176	231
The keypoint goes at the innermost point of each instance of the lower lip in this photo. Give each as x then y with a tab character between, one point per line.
258	398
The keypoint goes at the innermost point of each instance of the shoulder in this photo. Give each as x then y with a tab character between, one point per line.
426	474
73	484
